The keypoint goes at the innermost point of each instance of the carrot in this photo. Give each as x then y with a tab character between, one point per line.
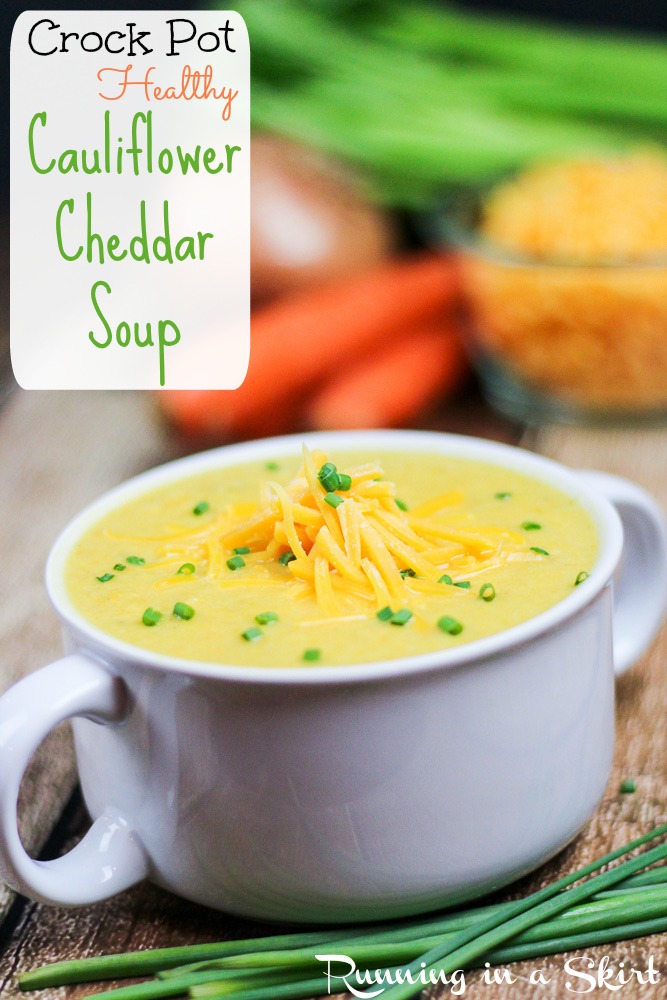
392	386
298	341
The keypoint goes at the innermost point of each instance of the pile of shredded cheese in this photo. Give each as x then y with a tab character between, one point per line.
585	320
353	556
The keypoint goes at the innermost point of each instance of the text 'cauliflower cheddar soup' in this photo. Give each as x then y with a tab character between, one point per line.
345	559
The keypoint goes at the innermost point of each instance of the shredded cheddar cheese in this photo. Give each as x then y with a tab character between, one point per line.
584	320
348	557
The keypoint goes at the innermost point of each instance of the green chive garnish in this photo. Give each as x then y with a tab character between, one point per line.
105	577
328	477
201	508
407	572
119	567
446	579
450	625
344	481
333	500
540	552
272	466
252	634
581	577
136	561
312	655
487	592
401	617
151	616
241	550
236	562
183	611
503	496
384	614
627	787
531	526
266	617
463	584
401	504
286	557
187	569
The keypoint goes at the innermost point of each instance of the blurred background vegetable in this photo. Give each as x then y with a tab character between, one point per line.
363	112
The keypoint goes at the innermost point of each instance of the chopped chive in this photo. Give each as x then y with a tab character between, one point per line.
627	787
463	584
272	466
184	611
450	625
286	557
326	470
187	569
503	495
151	616
252	634
241	550
344	481
266	617
201	508
136	561
487	592
312	655
328	477
531	526
401	504
236	562
445	578
407	572
384	614
119	567
540	552
581	577
333	500
105	577
401	617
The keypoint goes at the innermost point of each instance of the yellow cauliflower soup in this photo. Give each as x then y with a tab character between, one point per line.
330	559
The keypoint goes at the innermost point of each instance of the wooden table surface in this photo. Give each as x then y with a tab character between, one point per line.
57	452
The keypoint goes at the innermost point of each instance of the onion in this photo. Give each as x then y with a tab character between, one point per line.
309	222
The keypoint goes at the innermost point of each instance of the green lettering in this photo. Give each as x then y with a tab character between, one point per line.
230	150
163	342
100	314
41	118
69	205
210	156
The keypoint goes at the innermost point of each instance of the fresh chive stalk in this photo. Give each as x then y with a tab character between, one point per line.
333	499
105	577
286	557
384	614
236	562
487	592
611	906
187	569
401	617
136	560
201	508
540	552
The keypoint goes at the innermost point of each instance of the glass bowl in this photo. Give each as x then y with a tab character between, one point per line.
556	339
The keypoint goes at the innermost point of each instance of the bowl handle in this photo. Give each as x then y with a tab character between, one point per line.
640	586
110	857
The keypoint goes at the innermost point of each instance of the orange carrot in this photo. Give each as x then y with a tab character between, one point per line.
392	386
298	341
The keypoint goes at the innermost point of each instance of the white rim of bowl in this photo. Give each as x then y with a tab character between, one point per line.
518	459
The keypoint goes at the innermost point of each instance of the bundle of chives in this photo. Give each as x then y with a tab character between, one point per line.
448	96
617	904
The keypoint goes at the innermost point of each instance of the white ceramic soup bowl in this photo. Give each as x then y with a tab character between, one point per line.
350	792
